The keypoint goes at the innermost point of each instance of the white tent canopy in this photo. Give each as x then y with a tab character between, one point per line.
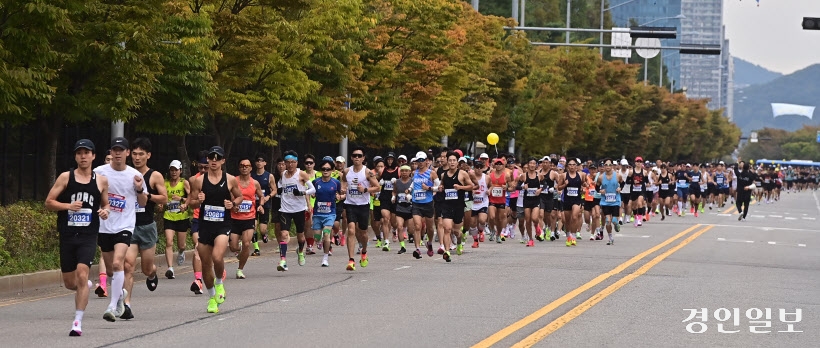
779	109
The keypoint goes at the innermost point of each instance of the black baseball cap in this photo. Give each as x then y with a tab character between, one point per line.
391	155
84	144
119	142
217	150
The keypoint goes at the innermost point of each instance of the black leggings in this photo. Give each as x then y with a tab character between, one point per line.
743	201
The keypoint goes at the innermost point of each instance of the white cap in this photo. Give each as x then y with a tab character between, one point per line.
545	158
484	155
462	159
413	160
420	156
175	164
403	157
721	162
340	159
624	162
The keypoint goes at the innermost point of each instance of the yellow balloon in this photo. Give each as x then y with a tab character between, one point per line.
492	138
751	161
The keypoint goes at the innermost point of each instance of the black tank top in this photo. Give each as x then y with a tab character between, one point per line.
450	194
547	183
86	220
665	179
213	215
387	176
532	184
439	196
573	189
638	181
145	215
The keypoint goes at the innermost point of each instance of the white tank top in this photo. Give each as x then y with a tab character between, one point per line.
290	202
354	197
122	199
480	199
627	186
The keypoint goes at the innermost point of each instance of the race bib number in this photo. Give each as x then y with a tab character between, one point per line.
611	197
532	192
592	192
478	199
664	187
388	185
767	181
637	188
245	206
353	191
497	192
116	202
323	207
703	188
138	208
289	189
450	194
214	213
420	194
681	182
173	206
758	183
719	181
79	218
403	198
696	178
572	191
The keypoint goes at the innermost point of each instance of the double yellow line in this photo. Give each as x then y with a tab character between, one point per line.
583	307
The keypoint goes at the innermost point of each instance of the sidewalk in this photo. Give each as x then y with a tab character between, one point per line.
22	283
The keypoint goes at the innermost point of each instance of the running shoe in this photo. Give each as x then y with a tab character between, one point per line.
181	259
256	252
386	246
446	256
121	303
460	249
610	242
196	287
696	213
213	307
283	266
75	330
531	243
440	250
240	274
301	258
574	242
417	254
364	262
100	291
402	250
220	293
351	266
430	252
169	274
378	243
310	251
617	227
126	314
569	241
325	263
265	238
109	315
475	244
152	283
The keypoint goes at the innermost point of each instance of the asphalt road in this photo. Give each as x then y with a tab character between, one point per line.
632	294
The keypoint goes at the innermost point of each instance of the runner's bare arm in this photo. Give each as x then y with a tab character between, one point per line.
59	186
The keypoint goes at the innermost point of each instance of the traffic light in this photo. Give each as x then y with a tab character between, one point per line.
811	23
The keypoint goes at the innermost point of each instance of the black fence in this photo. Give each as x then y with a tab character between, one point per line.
23	154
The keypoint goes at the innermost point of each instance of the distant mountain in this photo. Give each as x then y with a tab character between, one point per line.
752	105
749	74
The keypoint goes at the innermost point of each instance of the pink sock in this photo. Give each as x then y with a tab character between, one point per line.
197	275
104	280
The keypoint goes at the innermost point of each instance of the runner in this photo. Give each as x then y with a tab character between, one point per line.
638	177
592	199
359	183
202	167
243	215
267	182
175	219
294	186
126	189
328	192
402	197
215	192
682	182
80	199
387	177
665	192
144	238
610	186
454	183
529	182
498	182
481	203
310	237
572	183
425	182
745	186
102	287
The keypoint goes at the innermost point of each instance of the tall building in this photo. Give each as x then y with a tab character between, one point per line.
701	76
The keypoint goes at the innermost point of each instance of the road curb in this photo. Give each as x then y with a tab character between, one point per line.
17	284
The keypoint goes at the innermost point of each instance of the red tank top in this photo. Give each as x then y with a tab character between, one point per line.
497	193
247	209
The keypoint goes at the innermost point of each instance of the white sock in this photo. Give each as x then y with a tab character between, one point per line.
171	269
212	292
324	258
78	316
218	280
117	280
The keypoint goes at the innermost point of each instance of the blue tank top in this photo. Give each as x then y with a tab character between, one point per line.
720	180
263	184
611	198
421	195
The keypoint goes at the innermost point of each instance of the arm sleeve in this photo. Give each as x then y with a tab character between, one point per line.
310	188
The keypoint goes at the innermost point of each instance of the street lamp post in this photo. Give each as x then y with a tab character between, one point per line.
646	60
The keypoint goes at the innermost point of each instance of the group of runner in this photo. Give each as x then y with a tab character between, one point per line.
437	196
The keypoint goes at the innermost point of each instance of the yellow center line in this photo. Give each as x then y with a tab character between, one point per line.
730	210
598	297
500	335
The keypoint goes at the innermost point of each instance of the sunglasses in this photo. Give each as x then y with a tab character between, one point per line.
244	166
308	163
215	157
260	160
326	169
356	155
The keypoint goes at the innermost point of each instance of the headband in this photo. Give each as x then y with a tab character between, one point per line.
291	157
405	167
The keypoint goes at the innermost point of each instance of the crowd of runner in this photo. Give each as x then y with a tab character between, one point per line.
436	197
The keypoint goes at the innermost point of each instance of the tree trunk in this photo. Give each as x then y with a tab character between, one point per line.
182	153
51	129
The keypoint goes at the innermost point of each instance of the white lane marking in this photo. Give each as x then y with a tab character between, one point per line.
816	201
758	216
402	267
776	216
735	240
223	318
765	228
790	218
801	245
724	214
808	218
632	236
772	243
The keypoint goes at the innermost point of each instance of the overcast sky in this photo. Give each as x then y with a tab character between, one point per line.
772	35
